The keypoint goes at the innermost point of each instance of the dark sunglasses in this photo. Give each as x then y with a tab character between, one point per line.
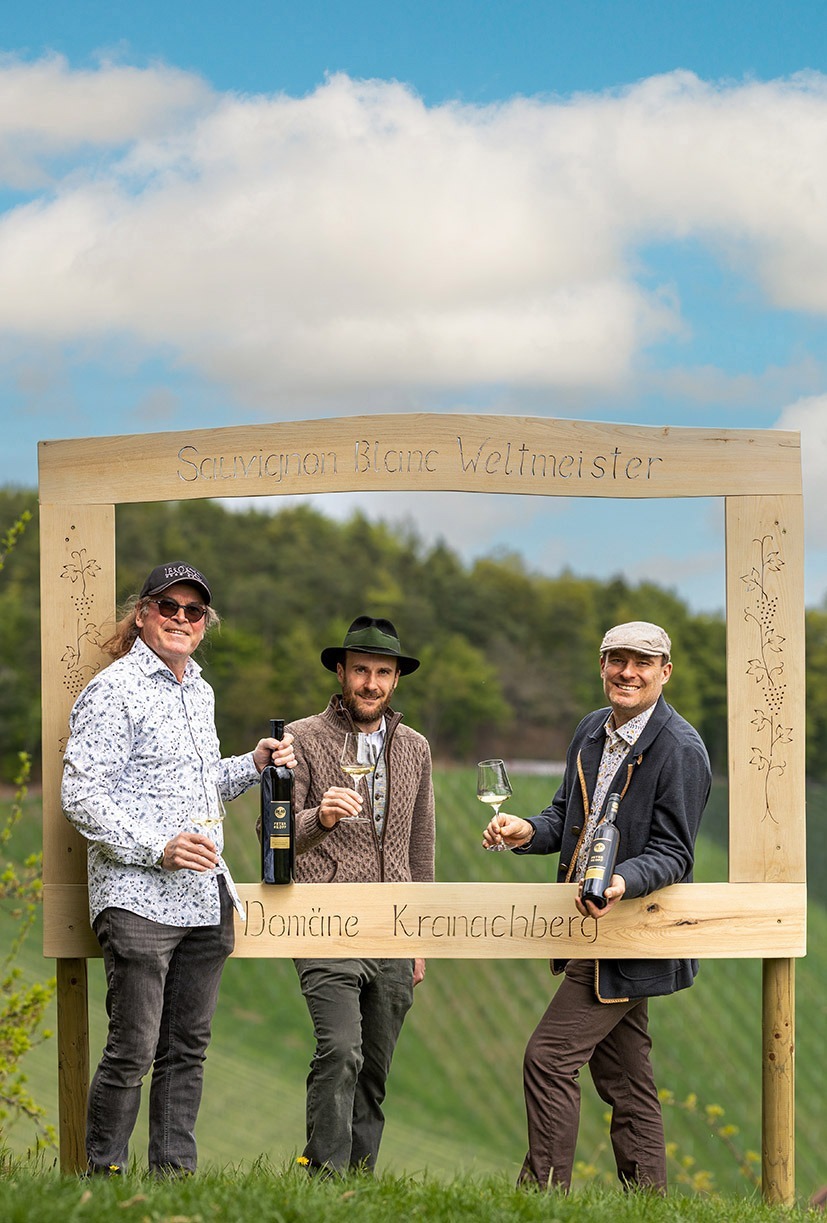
170	607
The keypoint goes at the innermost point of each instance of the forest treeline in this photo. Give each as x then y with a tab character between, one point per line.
509	657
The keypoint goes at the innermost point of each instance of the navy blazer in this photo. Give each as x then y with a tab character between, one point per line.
667	779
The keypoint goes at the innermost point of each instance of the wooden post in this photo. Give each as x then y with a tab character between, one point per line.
766	718
778	1083
77	595
72	1063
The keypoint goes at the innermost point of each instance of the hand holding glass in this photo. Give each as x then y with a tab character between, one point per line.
358	760
493	787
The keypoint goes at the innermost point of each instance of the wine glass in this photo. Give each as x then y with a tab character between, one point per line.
493	787
358	760
214	816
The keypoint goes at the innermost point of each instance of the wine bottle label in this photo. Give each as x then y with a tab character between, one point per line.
279	823
594	873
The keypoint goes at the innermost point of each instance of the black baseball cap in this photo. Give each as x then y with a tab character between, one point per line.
164	576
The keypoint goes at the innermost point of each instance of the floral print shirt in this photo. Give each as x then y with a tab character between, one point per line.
616	748
143	764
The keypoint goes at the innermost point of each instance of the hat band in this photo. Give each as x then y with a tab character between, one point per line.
370	639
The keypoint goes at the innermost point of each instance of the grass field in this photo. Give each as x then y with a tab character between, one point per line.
267	1194
455	1104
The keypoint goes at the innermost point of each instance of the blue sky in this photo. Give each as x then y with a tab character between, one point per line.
215	214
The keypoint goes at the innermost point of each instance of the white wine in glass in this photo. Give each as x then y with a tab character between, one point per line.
214	818
493	787
358	760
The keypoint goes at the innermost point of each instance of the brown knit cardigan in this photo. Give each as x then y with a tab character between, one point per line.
351	852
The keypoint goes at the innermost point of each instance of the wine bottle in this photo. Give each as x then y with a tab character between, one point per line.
600	864
278	850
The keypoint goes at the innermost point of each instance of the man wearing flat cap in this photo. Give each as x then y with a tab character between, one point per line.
640	748
144	783
382	832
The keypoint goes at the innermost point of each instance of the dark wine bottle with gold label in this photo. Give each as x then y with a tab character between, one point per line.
602	855
278	851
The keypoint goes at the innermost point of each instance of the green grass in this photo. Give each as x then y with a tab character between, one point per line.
454	1104
267	1194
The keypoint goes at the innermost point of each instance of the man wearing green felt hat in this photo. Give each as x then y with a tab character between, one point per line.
377	829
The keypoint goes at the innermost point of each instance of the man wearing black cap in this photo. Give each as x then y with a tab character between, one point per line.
142	774
382	832
640	748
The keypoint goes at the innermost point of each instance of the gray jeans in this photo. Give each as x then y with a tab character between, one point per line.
162	988
358	1008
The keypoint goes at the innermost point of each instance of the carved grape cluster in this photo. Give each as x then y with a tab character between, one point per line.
73	683
768	610
775	697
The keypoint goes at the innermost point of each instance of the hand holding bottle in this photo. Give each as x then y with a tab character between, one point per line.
278	752
613	893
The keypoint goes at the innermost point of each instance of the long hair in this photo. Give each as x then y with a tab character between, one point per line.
127	632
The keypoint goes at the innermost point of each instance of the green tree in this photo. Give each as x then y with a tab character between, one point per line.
19	634
21	1006
289	583
816	644
470	698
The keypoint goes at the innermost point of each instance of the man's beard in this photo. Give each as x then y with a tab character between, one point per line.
358	713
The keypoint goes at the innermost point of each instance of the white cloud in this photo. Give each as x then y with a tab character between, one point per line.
472	525
49	110
356	239
809	417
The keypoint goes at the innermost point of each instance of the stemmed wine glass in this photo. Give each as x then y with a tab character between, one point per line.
358	760
214	817
493	787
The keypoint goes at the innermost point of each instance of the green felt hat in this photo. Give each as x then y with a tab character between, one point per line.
369	636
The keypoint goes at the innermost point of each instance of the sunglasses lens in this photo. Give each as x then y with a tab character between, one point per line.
169	608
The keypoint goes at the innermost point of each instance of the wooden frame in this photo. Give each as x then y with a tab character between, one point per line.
760	912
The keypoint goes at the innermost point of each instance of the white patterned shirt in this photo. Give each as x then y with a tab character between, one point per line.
142	764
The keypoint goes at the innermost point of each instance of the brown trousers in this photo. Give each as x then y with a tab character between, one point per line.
614	1039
